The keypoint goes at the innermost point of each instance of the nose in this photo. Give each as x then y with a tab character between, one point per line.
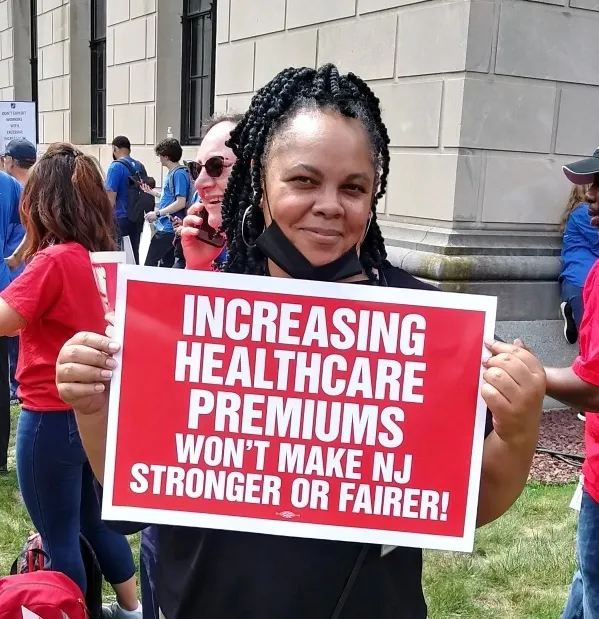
328	204
204	180
593	191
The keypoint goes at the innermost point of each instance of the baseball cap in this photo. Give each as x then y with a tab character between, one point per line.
21	150
583	172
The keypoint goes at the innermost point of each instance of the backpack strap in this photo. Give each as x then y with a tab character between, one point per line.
351	581
132	170
171	182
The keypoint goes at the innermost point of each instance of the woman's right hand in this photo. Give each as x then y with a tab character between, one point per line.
199	256
84	370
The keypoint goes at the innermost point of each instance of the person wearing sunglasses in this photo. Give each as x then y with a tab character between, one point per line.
201	239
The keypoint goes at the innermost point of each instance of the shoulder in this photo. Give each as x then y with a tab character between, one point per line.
63	251
398	278
581	213
8	182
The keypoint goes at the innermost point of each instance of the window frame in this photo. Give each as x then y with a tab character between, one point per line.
34	61
97	47
188	20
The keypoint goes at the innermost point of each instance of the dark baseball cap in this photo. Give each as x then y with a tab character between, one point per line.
583	172
21	149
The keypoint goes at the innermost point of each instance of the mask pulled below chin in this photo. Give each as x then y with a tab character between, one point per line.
275	245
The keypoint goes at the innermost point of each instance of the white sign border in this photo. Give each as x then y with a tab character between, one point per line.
250	283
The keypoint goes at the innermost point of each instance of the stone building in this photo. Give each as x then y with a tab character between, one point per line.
484	99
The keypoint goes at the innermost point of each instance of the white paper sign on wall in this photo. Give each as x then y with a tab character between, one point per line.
17	120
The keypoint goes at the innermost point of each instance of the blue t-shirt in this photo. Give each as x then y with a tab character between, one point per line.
580	247
116	180
10	223
177	179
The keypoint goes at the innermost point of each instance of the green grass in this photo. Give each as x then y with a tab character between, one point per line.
521	567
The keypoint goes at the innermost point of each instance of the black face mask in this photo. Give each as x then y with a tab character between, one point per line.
275	245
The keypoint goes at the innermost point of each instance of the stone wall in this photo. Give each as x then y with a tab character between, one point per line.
484	101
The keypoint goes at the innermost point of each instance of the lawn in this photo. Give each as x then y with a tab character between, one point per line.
521	567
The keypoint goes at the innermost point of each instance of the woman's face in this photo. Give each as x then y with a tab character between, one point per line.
319	181
211	190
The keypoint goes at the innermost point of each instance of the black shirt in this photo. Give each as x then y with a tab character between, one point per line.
210	574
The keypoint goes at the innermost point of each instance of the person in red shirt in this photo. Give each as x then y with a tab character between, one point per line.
66	214
578	387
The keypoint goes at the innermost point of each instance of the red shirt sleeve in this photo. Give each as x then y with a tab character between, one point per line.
586	366
37	289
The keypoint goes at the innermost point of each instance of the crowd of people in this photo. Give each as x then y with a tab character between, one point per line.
290	190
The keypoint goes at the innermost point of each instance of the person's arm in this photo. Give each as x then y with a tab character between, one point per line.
11	322
113	179
17	256
581	219
564	385
513	390
175	207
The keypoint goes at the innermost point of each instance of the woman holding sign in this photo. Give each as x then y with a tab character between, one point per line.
312	164
67	215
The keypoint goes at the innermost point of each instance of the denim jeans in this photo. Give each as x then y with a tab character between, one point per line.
573	295
583	602
57	486
148	553
13	359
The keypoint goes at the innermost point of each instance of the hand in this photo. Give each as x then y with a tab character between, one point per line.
151	217
514	390
83	372
12	262
198	255
147	189
177	226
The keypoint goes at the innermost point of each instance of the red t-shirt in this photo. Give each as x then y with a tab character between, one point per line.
58	297
586	367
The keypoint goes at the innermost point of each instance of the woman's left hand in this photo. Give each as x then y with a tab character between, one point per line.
514	390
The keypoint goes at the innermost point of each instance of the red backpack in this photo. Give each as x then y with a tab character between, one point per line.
43	594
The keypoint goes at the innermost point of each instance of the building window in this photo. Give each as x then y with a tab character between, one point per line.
98	71
199	52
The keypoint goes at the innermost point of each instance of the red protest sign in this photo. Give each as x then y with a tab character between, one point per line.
339	411
105	266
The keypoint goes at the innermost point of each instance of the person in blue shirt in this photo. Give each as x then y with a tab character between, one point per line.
173	203
580	250
10	195
119	172
19	159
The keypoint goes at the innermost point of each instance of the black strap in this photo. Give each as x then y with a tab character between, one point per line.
132	170
34	551
351	581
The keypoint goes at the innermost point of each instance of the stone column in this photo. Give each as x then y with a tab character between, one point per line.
484	101
131	79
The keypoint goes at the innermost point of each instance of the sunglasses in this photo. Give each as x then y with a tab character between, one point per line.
214	167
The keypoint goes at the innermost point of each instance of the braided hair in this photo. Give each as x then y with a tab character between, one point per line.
272	108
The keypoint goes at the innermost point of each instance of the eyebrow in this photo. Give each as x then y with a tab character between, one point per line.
357	176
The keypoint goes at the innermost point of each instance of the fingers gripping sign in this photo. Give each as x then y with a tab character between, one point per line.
83	371
514	390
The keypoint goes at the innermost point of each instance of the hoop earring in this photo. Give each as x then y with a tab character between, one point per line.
245	214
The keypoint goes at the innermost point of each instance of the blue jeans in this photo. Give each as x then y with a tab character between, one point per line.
583	602
13	358
148	553
573	295
57	486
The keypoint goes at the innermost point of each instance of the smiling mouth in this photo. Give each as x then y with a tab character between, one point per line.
213	201
323	232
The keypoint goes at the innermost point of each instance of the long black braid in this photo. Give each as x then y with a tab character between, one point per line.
271	109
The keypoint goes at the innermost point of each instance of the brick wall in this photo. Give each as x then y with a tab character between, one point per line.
484	100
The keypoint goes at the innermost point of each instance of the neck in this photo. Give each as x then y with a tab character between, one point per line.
170	165
275	271
21	175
